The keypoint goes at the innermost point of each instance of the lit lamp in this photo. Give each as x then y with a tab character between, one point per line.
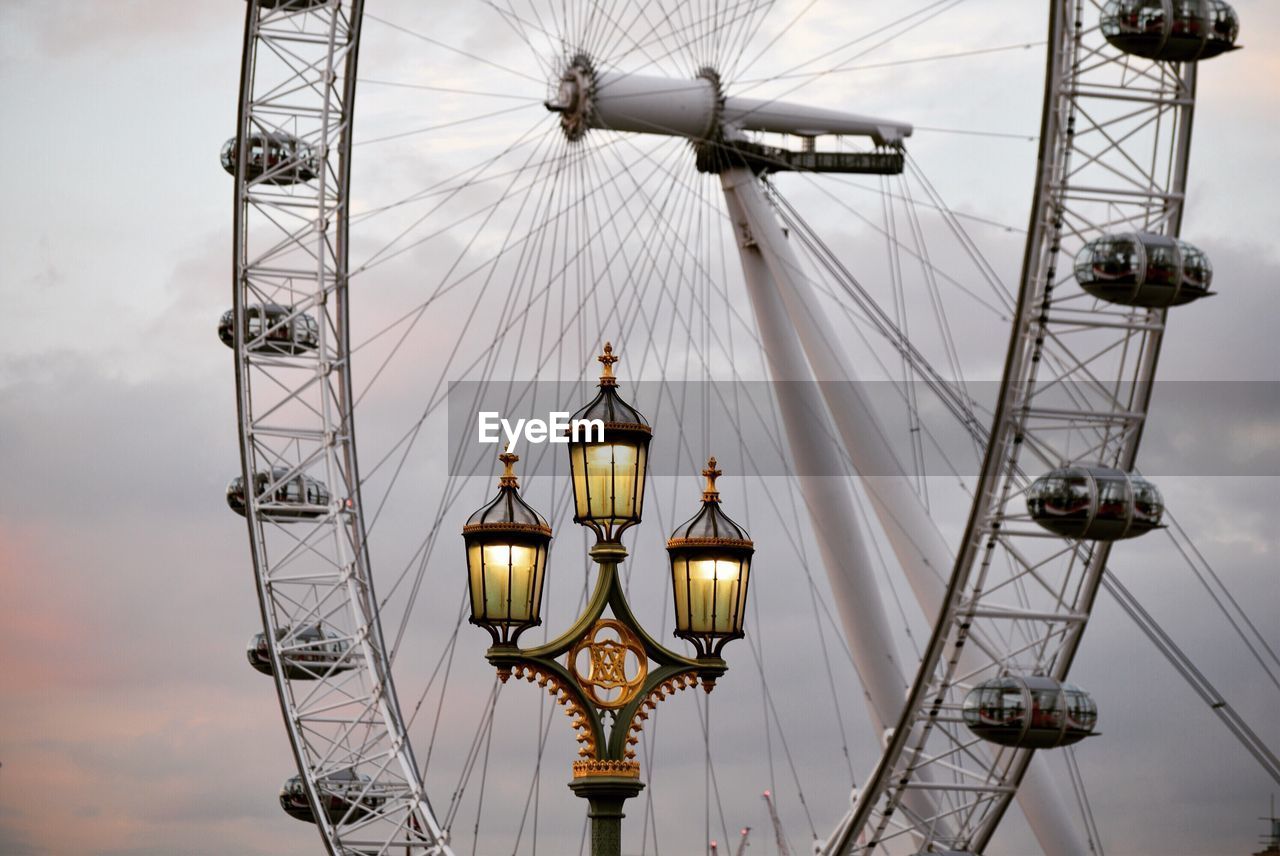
607	672
506	561
608	474
710	567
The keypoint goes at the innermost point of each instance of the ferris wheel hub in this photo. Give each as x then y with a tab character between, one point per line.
697	109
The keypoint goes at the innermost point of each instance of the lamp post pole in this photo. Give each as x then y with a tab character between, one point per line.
607	673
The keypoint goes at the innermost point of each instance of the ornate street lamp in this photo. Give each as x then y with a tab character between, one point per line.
607	672
608	473
710	567
506	561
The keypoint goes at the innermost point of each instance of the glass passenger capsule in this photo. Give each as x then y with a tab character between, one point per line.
269	329
1142	269
310	654
276	158
1171	30
1033	712
343	797
294	497
1095	503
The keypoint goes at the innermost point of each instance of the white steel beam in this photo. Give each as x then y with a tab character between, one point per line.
814	449
648	104
914	537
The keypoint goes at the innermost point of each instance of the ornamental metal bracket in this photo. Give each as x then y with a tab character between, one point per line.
607	684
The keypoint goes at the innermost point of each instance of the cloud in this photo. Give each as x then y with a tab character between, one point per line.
128	593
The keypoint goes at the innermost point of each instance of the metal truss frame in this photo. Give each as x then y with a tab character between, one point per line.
1114	147
298	79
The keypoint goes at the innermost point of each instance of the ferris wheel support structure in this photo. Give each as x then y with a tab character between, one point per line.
807	347
298	79
1075	388
815	449
1105	414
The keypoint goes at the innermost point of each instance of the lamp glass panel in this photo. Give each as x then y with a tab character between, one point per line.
504	581
607	483
708	594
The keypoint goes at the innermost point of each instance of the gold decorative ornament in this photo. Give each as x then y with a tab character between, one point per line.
607	664
607	359
563	697
671	686
587	769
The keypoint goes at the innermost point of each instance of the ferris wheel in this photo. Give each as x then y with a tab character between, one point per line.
571	173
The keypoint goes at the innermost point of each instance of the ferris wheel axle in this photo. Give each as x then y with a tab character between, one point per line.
697	108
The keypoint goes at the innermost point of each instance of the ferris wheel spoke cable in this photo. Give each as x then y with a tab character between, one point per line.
418	312
935	301
857	322
831	681
427	87
464	178
413	433
984	266
929	11
1082	801
519	26
1189	550
484	780
840	69
677	232
999	312
437	398
446	504
1231	619
1207	692
737	33
444	46
469	178
452	123
475	754
1242	733
892	247
1164	643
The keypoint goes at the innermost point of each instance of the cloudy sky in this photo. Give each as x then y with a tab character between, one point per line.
131	724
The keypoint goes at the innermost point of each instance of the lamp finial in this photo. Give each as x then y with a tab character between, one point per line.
508	478
712	472
607	359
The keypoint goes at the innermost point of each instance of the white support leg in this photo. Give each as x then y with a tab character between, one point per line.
829	501
918	545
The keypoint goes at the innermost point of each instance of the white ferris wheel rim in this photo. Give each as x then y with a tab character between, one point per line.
335	448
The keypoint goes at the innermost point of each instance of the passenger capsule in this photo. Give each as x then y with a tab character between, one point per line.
343	797
1033	712
275	158
1142	269
309	654
1095	503
294	497
272	329
1171	30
